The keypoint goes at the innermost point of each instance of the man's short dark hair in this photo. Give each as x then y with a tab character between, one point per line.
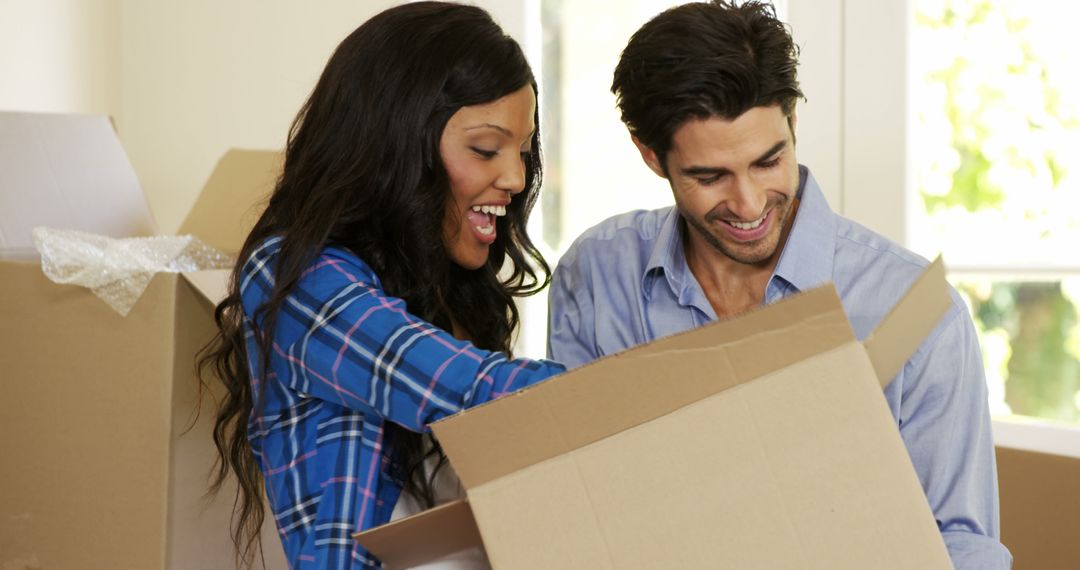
700	60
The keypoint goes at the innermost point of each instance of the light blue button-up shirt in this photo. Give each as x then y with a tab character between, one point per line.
626	282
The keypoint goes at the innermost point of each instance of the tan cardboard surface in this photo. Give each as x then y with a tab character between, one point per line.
227	208
84	423
233	198
901	332
1040	508
101	470
212	284
621	391
68	172
800	469
430	535
761	442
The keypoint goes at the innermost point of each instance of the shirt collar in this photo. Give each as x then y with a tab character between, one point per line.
667	257
805	262
807	259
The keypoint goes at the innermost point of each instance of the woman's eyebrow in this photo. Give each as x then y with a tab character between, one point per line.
502	130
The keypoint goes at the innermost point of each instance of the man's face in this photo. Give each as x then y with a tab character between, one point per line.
734	181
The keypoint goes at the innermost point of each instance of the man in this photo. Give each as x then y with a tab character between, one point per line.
708	93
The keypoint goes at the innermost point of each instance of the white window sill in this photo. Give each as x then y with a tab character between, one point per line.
1036	435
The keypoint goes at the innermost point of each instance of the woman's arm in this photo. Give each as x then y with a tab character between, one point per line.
341	338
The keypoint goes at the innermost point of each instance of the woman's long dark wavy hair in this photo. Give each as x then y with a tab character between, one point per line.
363	171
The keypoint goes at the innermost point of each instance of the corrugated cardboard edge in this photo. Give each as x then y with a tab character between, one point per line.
211	284
423	537
909	322
621	391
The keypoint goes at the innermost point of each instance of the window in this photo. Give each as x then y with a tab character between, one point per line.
995	169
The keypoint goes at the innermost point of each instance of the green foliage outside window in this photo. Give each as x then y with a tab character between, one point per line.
998	127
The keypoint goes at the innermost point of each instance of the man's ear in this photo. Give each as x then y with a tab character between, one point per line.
650	158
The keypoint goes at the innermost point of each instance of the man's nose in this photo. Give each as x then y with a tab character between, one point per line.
748	199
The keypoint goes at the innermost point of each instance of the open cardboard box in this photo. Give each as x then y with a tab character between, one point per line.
99	470
759	442
1040	507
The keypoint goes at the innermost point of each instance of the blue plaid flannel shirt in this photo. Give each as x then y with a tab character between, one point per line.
346	358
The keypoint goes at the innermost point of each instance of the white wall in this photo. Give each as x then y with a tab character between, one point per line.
817	28
59	56
202	76
852	128
184	81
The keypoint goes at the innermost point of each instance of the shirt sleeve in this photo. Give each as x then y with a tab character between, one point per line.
341	338
571	318
945	424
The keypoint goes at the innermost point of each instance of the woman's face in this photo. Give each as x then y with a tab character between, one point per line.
482	149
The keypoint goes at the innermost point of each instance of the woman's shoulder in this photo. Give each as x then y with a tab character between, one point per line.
339	264
333	267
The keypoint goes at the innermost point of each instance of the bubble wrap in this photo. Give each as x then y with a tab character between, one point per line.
119	270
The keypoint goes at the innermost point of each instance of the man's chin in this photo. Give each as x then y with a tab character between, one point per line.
749	254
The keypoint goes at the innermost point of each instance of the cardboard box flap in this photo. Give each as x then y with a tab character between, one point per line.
67	172
233	198
901	332
423	537
624	390
803	468
211	284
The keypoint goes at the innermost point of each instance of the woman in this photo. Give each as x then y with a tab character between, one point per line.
409	175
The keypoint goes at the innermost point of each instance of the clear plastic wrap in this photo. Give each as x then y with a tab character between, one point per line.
119	270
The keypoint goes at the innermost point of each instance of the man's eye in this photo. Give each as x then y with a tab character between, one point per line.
486	154
708	180
770	163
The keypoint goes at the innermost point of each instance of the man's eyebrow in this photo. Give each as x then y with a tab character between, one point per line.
772	150
716	171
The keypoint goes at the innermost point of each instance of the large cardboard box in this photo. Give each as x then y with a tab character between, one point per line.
1040	507
100	469
760	442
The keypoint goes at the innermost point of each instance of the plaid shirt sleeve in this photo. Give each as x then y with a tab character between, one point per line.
346	341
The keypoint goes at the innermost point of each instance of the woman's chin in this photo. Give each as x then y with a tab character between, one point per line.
471	260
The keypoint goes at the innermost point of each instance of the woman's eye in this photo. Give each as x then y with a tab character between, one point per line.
486	154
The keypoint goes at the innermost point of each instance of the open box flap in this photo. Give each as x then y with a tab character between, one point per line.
226	210
65	171
632	387
233	198
423	537
801	468
909	322
211	284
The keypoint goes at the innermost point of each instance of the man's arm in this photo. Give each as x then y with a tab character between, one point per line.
945	424
571	318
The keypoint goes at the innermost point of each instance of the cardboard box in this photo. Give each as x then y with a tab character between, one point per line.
99	469
759	442
1040	508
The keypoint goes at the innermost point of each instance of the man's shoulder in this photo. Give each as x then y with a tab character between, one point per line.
863	243
625	234
872	273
